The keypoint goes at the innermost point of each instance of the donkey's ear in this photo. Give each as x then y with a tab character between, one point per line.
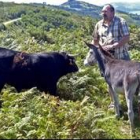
105	52
91	46
100	47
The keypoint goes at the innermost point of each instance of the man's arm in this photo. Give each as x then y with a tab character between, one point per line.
118	44
124	31
95	40
122	42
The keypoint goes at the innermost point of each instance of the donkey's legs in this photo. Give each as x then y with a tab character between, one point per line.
131	83
129	101
111	97
116	101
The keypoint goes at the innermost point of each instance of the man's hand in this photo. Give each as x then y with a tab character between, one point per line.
108	47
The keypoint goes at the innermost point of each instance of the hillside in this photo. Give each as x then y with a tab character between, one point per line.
127	7
82	8
81	110
87	9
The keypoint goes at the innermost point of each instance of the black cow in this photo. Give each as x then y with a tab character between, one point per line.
41	70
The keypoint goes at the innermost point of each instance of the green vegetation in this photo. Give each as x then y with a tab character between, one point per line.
82	109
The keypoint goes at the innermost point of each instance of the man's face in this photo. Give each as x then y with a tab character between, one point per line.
107	13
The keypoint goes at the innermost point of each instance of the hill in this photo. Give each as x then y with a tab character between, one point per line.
82	8
127	7
87	9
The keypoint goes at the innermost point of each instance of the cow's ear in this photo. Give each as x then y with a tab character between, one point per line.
74	55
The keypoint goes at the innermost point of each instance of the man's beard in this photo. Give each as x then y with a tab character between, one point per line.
105	17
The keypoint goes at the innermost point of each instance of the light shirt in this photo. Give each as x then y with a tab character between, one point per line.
109	34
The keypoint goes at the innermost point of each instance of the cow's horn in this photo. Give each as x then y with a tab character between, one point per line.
74	55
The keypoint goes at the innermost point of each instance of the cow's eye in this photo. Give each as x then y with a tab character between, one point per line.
70	61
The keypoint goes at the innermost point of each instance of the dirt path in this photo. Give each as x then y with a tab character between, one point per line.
10	21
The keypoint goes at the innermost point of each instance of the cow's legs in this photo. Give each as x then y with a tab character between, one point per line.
48	87
1	86
53	90
2	82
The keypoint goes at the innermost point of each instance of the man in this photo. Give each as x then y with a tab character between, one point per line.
112	34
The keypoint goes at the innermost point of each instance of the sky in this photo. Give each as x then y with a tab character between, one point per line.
58	2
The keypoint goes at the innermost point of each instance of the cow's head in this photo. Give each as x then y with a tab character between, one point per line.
70	63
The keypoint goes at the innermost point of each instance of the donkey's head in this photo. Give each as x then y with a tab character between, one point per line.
94	53
90	58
